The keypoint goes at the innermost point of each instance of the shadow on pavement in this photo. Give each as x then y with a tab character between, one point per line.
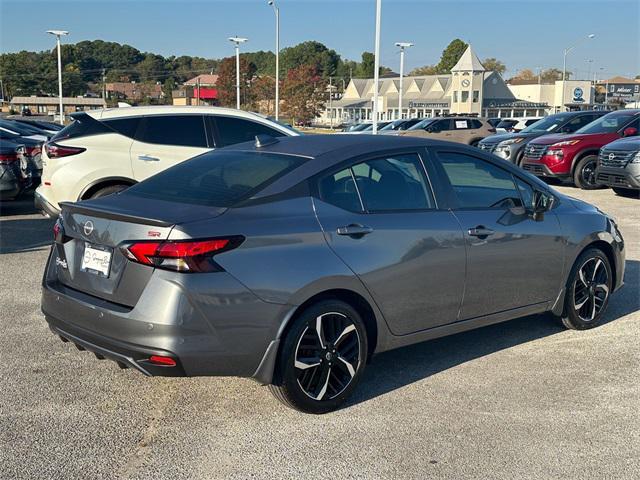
398	368
18	234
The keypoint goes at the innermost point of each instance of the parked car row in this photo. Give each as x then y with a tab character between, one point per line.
591	149
21	143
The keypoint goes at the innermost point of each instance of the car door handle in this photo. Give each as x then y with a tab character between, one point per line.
354	230
480	231
148	158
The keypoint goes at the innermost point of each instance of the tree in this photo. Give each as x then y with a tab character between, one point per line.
552	74
303	93
524	75
425	70
264	94
367	66
226	85
450	56
312	53
494	65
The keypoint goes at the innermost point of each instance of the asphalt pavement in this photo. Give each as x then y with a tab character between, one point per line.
525	399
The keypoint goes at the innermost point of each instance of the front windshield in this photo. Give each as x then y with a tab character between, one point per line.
393	125
608	124
359	128
547	124
422	124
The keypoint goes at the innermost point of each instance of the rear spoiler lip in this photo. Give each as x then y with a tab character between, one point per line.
112	215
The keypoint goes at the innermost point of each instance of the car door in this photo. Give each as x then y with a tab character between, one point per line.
380	217
162	141
513	259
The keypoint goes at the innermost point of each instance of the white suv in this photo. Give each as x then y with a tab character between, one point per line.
106	151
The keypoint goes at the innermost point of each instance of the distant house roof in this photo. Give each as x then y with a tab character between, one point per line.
206	80
469	61
619	79
54	101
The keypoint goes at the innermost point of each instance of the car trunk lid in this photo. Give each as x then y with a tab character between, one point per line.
88	250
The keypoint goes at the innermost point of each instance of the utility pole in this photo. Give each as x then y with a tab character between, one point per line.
330	103
237	41
403	46
198	90
58	34
104	84
277	12
376	67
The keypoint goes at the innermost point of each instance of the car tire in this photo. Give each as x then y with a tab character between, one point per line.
584	175
110	190
588	290
627	192
321	359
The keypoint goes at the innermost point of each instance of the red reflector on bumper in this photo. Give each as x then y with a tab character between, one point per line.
164	361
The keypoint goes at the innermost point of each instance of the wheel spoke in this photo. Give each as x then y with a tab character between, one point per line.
350	328
323	390
595	269
582	303
603	288
593	309
306	363
319	330
582	279
350	368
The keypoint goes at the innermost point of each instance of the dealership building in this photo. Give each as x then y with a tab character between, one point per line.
468	89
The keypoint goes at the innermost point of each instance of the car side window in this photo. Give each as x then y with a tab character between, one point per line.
526	192
181	130
635	124
396	183
124	126
237	130
478	183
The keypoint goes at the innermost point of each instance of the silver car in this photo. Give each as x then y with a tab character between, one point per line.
294	260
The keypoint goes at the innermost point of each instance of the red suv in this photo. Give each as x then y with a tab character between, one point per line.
575	156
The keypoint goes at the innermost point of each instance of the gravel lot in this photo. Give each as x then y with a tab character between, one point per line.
524	399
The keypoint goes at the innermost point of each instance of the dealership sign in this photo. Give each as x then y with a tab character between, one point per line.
427	105
624	90
578	95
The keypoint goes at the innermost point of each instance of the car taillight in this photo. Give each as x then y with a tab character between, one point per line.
8	158
181	255
33	151
57	151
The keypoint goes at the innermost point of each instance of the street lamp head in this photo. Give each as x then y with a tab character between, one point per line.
58	33
270	2
404	44
238	40
591	35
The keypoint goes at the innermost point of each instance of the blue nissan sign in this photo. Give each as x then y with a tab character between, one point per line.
578	95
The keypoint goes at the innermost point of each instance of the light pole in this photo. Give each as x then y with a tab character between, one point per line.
589	62
376	67
277	12
237	41
402	46
58	34
564	64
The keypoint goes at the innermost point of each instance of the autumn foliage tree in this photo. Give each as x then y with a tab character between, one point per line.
226	84
304	93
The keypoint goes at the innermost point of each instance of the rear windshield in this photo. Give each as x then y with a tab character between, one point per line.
217	179
82	126
507	123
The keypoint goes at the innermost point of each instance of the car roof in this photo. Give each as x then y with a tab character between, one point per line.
340	147
120	112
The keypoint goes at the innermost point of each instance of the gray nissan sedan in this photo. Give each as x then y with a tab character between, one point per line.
294	260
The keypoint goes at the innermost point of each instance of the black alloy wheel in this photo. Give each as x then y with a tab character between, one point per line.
322	358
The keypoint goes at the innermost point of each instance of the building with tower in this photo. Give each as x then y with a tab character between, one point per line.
468	90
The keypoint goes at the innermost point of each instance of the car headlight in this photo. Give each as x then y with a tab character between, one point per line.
566	143
636	158
511	141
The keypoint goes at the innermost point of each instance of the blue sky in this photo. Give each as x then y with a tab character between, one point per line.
521	33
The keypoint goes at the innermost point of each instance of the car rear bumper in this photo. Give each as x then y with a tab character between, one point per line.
42	205
618	177
211	326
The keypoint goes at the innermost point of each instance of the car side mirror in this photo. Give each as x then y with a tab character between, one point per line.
630	132
542	202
